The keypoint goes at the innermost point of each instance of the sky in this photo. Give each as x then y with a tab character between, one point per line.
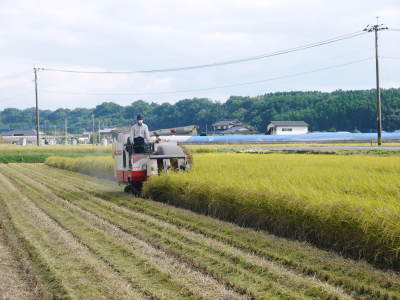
122	35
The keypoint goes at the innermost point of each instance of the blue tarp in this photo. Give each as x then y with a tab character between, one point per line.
309	137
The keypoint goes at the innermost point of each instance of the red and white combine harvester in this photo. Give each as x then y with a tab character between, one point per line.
136	164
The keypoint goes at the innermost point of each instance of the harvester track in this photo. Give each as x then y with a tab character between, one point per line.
97	242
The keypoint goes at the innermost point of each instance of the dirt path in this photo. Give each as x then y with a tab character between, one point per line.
147	249
13	285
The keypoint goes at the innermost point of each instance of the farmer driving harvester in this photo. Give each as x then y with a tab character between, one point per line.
139	134
137	158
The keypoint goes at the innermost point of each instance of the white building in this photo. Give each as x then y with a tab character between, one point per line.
287	127
19	136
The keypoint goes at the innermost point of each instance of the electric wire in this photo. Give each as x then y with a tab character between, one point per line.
13	75
221	63
215	87
389	57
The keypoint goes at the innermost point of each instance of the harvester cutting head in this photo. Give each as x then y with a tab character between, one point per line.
135	165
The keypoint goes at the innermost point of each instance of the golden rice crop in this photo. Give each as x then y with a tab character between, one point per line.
349	203
98	166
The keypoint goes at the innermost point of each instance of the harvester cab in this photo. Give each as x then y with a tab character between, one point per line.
136	164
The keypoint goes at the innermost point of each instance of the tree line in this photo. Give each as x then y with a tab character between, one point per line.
324	111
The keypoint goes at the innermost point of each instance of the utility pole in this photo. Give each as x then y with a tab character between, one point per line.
66	130
98	134
93	129
35	70
375	29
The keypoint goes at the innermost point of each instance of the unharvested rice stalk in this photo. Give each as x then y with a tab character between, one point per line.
98	166
347	203
188	154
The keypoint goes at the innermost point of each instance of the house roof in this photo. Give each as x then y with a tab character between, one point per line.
288	123
20	132
226	122
107	130
233	130
238	128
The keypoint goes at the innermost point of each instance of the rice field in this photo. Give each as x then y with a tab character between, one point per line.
346	203
98	166
79	237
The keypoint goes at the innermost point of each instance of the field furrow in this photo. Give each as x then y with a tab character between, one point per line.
13	284
355	278
154	269
77	272
259	272
89	233
260	285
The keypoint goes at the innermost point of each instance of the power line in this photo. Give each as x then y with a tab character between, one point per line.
13	75
221	63
389	57
216	87
10	98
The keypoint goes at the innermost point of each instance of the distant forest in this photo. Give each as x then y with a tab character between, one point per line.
335	111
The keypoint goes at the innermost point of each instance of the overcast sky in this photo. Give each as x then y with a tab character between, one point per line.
119	35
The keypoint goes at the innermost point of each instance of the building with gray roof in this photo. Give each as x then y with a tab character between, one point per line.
287	127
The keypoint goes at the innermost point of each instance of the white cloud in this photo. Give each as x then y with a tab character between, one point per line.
147	34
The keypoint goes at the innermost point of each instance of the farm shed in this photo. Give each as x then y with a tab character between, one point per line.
287	127
240	129
106	133
19	136
231	127
225	124
182	130
20	132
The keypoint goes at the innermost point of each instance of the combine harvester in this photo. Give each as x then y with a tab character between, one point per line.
135	164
